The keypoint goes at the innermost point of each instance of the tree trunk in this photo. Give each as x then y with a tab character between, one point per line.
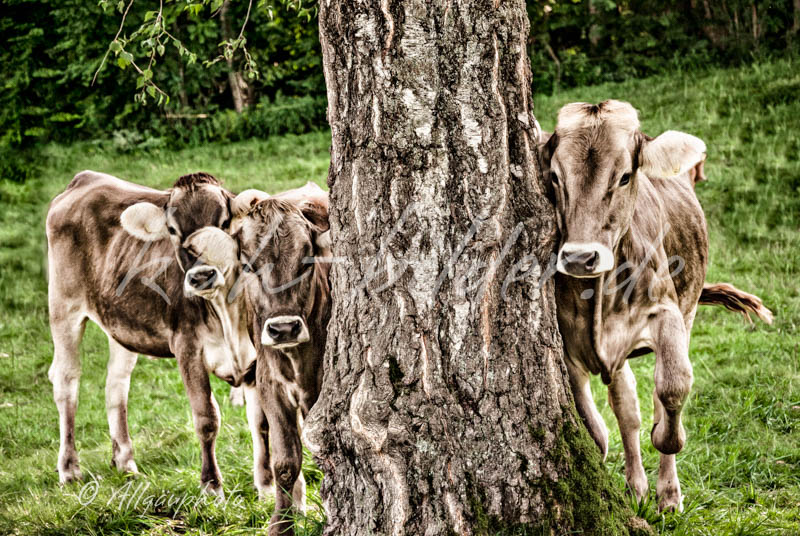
754	16
710	27
445	406
796	21
236	82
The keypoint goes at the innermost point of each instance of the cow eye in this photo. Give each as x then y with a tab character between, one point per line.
171	230
625	179
554	177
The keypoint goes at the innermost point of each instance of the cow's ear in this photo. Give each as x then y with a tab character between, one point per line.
671	154
316	213
215	247
242	203
546	146
145	221
323	241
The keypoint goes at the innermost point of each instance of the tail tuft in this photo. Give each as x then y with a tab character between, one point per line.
735	300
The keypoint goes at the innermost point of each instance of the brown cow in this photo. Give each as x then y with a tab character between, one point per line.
283	241
110	261
631	267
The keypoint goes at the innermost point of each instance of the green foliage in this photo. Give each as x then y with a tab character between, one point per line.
81	70
283	115
584	42
67	77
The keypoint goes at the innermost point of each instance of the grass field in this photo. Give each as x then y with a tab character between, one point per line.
740	470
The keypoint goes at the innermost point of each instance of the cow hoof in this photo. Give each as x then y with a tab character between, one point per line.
70	477
638	487
69	471
671	502
665	442
127	466
281	524
214	490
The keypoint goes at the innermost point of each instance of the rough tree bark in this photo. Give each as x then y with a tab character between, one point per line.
445	405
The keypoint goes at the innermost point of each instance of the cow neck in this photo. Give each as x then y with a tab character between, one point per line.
600	313
597	329
230	318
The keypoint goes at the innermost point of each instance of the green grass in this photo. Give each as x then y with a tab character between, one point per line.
740	470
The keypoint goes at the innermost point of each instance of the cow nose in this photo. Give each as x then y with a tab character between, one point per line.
591	262
284	331
201	279
579	262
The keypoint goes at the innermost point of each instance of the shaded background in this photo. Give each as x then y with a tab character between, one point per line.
52	49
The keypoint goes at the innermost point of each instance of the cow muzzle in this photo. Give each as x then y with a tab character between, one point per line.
202	281
588	259
284	332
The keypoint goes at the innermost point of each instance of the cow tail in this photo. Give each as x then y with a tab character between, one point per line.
736	300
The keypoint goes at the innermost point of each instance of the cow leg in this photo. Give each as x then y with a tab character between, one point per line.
673	380
287	459
64	374
206	417
259	432
668	488
237	396
624	401
120	366
582	391
299	491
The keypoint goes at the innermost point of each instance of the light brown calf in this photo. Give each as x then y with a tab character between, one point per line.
631	270
112	251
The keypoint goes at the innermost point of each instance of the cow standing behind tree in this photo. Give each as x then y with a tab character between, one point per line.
632	263
283	245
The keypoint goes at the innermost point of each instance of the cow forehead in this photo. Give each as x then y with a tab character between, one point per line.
214	246
280	234
595	136
610	114
197	207
602	153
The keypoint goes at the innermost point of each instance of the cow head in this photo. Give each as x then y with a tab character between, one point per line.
280	241
594	161
214	258
194	201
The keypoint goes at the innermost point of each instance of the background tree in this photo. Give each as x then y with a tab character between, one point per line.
445	406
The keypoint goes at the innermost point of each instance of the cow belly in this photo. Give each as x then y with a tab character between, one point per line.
132	337
142	345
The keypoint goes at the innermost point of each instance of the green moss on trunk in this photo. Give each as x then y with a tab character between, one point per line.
584	501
